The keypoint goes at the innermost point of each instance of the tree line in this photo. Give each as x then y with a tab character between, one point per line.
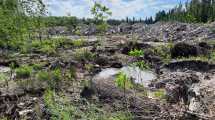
195	11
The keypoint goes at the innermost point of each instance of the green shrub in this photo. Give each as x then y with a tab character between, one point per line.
48	46
53	78
23	71
36	44
78	43
16	44
83	54
122	81
37	66
56	75
136	53
48	49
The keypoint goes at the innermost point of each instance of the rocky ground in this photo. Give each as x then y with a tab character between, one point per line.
180	55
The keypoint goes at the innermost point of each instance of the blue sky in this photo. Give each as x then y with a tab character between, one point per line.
120	8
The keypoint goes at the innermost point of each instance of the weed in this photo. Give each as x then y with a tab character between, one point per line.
23	71
83	54
136	53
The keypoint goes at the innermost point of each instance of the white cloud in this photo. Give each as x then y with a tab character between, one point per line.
120	8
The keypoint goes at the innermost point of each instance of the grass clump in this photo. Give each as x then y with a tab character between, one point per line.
136	53
83	54
122	81
23	71
78	43
52	78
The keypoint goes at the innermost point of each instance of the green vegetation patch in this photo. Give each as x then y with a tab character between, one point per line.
136	53
53	78
61	108
122	81
78	42
24	71
83	54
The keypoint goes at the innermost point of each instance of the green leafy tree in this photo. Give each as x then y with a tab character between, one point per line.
101	13
17	21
